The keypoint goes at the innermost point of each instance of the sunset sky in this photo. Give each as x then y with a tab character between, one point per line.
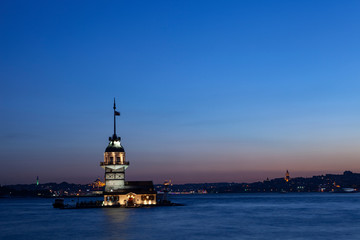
209	91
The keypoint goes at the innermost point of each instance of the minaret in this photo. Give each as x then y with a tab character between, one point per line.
114	162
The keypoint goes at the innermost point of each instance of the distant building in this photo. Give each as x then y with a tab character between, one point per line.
117	190
97	184
287	176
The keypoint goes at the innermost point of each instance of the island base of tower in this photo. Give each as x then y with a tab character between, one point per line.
130	199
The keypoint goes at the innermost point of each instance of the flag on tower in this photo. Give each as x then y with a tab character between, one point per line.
117	113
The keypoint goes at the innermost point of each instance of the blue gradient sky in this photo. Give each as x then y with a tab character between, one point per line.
209	91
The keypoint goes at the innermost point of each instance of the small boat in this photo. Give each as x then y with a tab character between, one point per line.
345	190
349	190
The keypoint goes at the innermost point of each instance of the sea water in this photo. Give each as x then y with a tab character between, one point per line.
211	216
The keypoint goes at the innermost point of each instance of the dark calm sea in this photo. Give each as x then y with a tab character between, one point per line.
218	216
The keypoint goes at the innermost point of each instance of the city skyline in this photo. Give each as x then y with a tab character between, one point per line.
208	91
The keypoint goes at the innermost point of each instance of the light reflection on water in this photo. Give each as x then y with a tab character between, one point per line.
117	222
230	216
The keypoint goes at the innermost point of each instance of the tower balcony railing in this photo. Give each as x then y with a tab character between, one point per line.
114	163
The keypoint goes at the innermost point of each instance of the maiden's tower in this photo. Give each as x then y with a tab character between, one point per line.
118	191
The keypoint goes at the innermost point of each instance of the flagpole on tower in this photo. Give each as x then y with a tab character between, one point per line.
116	113
114	120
